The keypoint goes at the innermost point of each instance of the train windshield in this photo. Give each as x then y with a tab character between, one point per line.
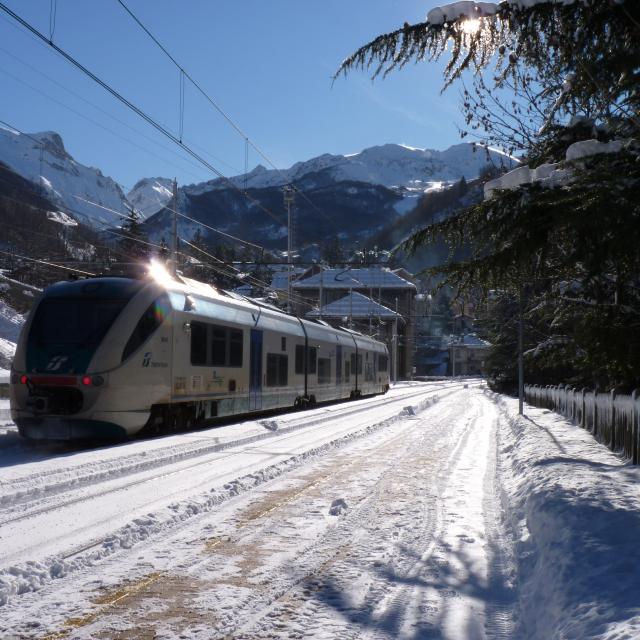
66	332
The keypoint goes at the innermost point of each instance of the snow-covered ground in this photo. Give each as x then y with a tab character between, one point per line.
433	511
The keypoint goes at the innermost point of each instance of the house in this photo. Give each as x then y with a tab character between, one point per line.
376	284
467	354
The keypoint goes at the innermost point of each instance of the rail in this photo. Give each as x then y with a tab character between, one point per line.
612	418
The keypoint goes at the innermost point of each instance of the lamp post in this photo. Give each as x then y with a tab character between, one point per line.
288	192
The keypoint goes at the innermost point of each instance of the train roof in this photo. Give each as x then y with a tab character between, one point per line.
125	288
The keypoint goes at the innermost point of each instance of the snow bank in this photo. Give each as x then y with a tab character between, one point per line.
574	511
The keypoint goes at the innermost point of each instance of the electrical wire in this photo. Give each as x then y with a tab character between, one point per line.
145	116
95	204
219	109
49	264
186	217
122	122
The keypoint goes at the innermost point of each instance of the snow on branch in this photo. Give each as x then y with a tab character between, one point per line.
557	174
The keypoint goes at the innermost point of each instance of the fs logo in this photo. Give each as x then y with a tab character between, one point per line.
147	359
56	362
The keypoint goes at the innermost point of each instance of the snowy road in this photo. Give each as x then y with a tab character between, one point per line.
371	519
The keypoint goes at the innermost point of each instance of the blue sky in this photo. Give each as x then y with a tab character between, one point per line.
267	63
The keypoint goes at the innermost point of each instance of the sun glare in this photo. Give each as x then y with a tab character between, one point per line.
471	25
159	272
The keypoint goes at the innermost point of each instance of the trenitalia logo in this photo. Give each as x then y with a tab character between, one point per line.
56	362
147	359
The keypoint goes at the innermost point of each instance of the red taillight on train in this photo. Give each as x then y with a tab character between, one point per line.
86	381
23	379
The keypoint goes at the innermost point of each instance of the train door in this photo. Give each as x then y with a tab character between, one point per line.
255	371
339	364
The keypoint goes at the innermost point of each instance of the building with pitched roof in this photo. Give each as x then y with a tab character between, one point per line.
380	292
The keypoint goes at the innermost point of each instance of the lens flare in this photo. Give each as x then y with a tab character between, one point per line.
471	25
159	273
160	310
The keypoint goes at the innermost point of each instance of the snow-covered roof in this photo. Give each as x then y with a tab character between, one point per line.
372	278
355	305
279	282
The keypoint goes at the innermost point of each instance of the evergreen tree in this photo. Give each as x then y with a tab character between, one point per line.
133	244
571	71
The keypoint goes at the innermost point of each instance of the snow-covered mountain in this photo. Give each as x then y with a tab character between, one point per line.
407	170
356	194
42	159
149	195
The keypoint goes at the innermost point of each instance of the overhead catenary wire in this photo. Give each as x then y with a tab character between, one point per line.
186	217
140	112
248	141
49	264
122	215
249	278
159	144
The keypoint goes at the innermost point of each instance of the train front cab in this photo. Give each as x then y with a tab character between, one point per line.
90	357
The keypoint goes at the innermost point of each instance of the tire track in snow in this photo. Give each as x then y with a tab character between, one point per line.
499	609
360	528
415	609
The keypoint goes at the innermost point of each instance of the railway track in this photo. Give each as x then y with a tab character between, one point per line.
104	506
18	494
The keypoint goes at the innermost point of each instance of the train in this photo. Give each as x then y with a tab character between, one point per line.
112	357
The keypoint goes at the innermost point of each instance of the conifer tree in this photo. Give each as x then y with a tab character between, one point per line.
133	244
571	72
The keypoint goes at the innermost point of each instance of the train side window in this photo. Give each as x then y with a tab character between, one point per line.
324	370
283	371
299	359
382	363
359	364
283	343
236	339
353	363
215	346
218	346
347	370
313	359
277	370
368	372
151	319
198	343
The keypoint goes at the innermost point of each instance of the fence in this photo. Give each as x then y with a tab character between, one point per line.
613	419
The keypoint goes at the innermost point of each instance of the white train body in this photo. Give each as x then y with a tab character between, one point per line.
107	357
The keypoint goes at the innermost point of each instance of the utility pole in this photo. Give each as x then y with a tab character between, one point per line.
520	356
320	292
394	340
288	191
453	360
174	230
